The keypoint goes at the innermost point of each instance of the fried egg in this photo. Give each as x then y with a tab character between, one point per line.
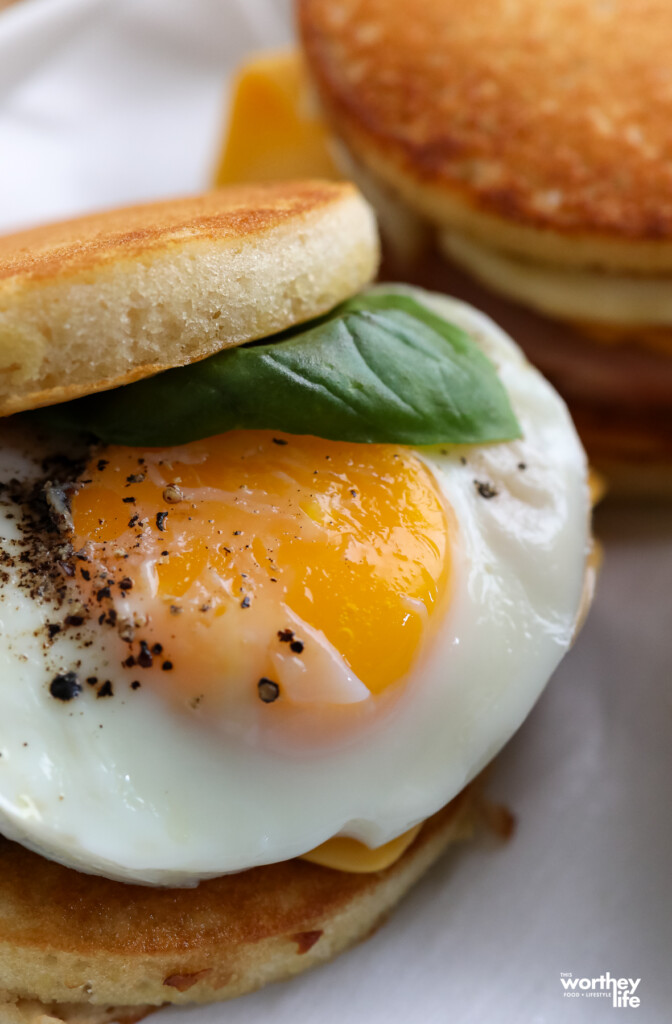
238	648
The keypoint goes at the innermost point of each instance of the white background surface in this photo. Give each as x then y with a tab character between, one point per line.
108	101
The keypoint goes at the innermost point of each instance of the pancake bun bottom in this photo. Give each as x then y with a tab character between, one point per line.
86	950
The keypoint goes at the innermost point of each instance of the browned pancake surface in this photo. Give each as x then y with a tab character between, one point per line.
236	213
553	113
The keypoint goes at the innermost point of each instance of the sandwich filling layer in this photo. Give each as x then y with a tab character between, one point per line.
441	582
571	294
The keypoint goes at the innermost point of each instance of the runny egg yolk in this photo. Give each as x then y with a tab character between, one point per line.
252	569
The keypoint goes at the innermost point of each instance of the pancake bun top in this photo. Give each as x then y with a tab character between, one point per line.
103	300
544	128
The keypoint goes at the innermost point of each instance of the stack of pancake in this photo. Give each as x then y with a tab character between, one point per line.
536	142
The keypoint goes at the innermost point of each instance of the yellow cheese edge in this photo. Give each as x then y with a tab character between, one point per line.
597	486
345	854
275	131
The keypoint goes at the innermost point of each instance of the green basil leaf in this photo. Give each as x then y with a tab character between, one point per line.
381	367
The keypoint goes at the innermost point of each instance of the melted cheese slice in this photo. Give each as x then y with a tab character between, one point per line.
275	130
345	854
597	486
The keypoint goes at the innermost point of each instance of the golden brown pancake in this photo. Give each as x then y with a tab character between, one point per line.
93	303
542	127
81	943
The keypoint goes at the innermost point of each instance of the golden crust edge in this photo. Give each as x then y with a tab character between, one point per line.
46	337
452	205
224	216
31	1011
199	976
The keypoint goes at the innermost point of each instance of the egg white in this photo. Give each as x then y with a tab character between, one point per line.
127	788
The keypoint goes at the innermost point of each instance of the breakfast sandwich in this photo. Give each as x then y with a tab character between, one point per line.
285	559
534	141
